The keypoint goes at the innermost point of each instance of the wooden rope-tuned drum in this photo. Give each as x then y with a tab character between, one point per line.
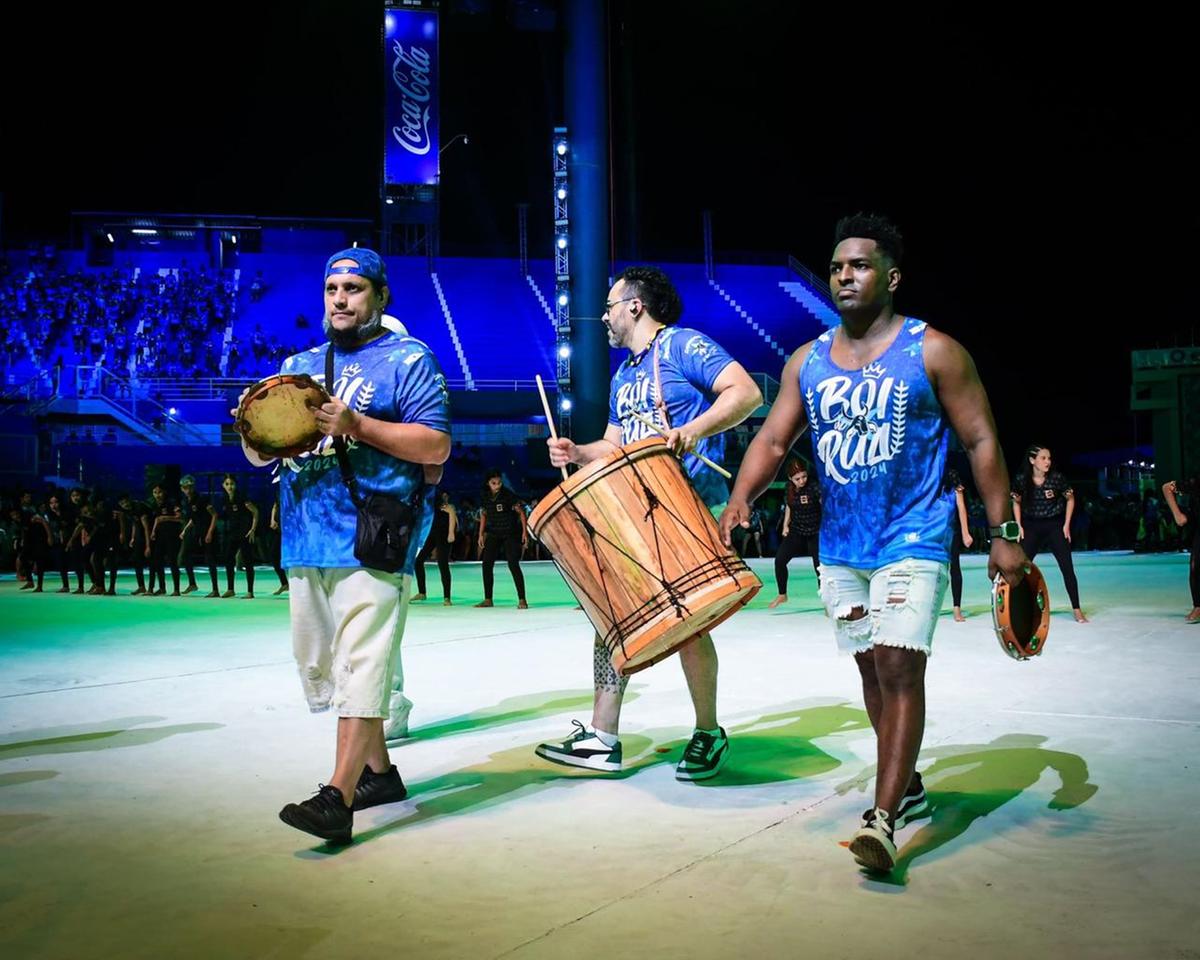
1021	614
275	417
642	553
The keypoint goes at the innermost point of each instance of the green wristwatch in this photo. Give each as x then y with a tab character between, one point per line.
1008	530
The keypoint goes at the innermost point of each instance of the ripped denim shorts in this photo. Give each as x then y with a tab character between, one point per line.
902	601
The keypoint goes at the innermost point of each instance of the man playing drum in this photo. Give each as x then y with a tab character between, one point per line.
700	391
881	393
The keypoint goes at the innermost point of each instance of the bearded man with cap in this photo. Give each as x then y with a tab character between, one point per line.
390	405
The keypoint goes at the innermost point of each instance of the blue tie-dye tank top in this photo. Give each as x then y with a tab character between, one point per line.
879	440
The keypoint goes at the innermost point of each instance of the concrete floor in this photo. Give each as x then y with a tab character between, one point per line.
146	745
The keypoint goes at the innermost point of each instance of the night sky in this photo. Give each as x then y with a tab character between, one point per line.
1037	167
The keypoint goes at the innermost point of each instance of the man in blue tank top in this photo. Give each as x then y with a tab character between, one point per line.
881	393
693	391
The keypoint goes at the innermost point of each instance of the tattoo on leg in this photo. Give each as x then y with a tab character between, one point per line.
604	674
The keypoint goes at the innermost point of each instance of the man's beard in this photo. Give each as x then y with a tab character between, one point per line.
356	335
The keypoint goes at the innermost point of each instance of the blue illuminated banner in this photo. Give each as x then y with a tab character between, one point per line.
410	153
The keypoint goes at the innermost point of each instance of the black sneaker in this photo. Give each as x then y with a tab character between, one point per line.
374	789
914	805
704	756
582	749
324	815
873	846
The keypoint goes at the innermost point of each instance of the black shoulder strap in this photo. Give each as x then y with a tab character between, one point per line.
339	443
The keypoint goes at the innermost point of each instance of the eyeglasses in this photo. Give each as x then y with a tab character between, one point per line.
609	304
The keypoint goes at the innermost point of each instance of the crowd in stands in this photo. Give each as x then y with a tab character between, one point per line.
137	323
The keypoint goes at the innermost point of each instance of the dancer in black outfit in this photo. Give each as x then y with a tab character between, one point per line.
962	540
801	525
1188	522
137	533
60	526
194	510
1043	502
441	535
164	541
72	543
232	528
101	544
35	545
498	522
277	547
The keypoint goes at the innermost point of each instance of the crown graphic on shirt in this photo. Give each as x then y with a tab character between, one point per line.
352	370
873	371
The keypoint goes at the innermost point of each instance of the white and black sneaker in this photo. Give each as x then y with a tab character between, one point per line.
873	846
704	756
396	726
582	749
914	805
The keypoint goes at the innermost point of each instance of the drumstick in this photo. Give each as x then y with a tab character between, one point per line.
549	419
699	456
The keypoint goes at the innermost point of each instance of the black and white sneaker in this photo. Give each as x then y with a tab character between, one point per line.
914	805
582	749
324	815
374	789
872	845
704	756
396	726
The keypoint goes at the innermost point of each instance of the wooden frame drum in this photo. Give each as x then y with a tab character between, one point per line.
275	417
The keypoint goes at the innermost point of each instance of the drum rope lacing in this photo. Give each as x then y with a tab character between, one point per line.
673	594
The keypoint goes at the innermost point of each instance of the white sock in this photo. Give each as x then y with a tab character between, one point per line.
606	738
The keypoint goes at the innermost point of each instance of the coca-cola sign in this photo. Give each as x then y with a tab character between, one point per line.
411	153
410	74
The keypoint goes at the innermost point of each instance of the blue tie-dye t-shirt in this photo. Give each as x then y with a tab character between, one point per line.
688	365
394	378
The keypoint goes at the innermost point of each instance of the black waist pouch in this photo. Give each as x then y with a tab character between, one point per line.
384	531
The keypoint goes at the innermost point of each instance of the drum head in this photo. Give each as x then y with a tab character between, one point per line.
275	417
1021	614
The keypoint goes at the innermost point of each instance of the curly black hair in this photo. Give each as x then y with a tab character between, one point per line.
655	290
872	226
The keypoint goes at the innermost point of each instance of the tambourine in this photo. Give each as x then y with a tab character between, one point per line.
275	417
1021	614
